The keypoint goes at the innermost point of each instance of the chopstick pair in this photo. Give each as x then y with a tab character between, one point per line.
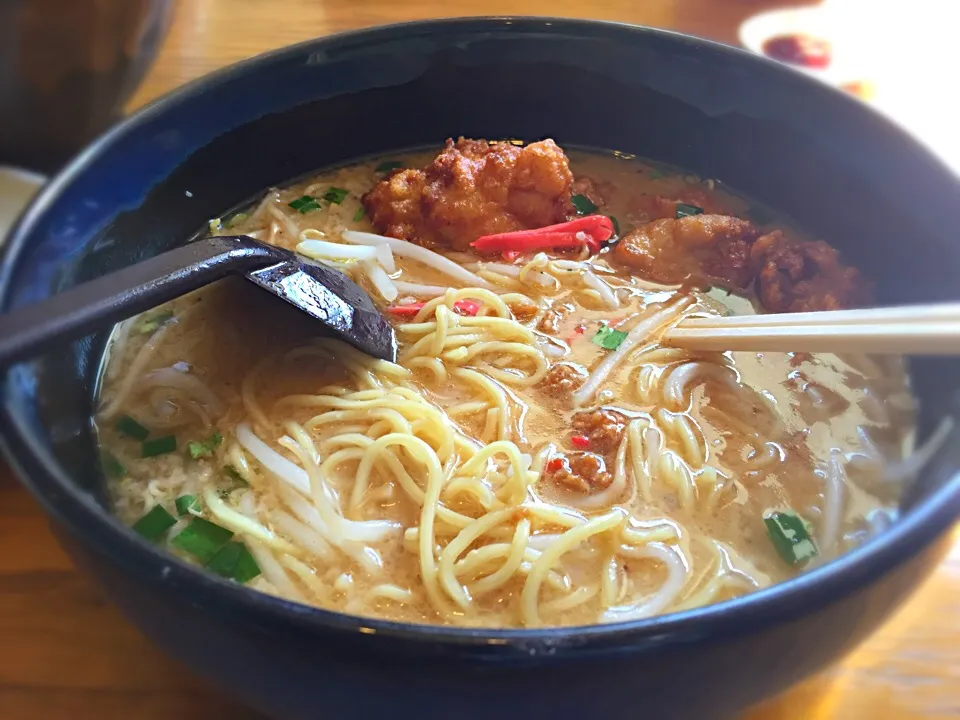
906	330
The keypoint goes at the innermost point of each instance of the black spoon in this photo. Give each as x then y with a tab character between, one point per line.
318	290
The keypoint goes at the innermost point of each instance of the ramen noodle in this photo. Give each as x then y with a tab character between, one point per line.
534	457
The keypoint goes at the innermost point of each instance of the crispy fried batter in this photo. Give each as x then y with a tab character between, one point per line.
803	276
786	276
473	188
677	250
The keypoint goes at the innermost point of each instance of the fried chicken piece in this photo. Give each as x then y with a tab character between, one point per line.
804	276
563	379
604	428
471	189
698	247
581	472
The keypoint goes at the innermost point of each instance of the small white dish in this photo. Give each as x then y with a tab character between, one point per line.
848	52
17	187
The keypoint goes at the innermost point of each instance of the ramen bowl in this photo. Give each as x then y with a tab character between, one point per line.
154	181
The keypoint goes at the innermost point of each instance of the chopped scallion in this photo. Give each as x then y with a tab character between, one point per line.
358	215
156	321
234	475
112	467
305	204
186	504
336	195
155	523
616	225
684	210
656	174
158	446
202	539
234	562
236	218
583	205
205	449
130	428
789	534
609	338
388	165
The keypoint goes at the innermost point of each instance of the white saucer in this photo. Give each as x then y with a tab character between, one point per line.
848	57
17	187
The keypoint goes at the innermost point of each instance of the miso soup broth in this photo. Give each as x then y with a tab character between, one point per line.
535	457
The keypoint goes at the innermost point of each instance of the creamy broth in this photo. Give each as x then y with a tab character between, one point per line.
710	443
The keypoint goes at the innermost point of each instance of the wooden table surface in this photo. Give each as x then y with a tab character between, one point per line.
65	653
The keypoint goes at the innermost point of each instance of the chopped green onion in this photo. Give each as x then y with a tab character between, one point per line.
158	446
129	427
388	166
111	466
205	449
583	205
609	338
155	523
358	215
186	504
656	174
684	210
305	204
232	473
336	195
202	539
236	218
616	225
789	534
234	562
155	322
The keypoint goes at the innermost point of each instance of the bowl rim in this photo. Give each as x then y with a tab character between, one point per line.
96	527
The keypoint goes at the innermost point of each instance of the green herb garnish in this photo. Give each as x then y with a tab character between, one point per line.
155	523
336	195
111	466
305	204
205	449
616	225
789	534
234	561
202	539
236	218
155	322
684	210
186	504
128	427
234	475
358	215
583	205
609	338
158	446
388	166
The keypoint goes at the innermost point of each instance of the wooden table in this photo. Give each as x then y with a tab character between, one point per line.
64	653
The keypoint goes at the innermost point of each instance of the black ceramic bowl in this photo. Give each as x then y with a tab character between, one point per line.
153	181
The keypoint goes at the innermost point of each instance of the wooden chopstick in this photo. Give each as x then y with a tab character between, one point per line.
908	330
